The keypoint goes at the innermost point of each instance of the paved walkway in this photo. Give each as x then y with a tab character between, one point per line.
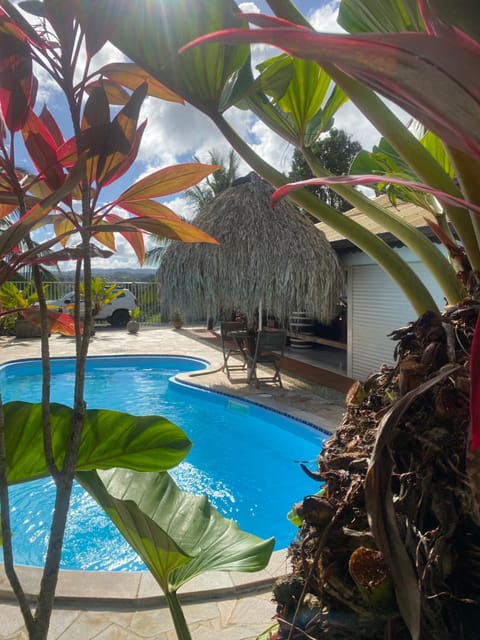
108	606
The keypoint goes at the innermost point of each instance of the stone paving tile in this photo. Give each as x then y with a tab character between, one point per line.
62	621
88	624
204	614
278	564
230	620
114	632
211	582
21	635
73	584
151	624
251	609
11	623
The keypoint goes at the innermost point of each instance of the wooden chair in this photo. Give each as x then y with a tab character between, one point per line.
268	351
234	335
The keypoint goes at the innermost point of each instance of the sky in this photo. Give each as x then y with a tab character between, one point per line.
177	133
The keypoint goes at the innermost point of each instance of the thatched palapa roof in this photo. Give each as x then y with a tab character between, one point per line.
275	257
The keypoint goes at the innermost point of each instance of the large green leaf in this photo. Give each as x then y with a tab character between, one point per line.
384	160
437	150
150	34
358	16
109	439
336	99
306	92
301	91
177	535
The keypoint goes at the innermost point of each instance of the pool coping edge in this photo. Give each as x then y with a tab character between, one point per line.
110	590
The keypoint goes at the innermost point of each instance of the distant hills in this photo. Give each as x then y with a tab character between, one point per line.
117	275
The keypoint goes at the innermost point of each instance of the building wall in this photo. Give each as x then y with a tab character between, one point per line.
377	306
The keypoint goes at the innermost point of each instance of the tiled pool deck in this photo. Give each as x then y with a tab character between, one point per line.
123	606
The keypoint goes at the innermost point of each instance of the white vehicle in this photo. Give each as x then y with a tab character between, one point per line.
116	312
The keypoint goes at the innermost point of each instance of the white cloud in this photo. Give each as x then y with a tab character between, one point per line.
183	207
248	7
47	87
107	54
271	148
175	133
325	18
352	120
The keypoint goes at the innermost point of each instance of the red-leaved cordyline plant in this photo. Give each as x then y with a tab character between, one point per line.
64	197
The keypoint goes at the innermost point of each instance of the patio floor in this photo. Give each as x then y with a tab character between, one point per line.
108	606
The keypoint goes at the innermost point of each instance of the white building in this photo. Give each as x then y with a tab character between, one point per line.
375	304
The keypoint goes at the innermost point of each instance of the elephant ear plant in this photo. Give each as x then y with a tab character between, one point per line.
61	200
177	535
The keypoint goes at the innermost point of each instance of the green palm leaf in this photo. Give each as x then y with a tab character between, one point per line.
151	33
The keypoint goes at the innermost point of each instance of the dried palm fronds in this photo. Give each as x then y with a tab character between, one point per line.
273	258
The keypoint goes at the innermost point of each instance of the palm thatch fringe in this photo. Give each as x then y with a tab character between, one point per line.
273	257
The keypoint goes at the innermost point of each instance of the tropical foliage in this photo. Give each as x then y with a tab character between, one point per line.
429	55
177	535
102	292
218	182
336	152
296	99
12	301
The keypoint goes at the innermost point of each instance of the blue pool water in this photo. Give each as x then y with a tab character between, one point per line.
244	457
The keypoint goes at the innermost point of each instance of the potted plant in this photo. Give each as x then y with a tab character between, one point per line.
177	319
12	301
133	325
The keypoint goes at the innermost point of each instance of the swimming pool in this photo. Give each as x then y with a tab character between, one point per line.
244	457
